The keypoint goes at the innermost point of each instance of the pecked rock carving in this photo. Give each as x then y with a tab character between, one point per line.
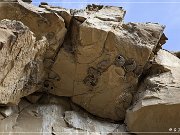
130	65
119	61
103	65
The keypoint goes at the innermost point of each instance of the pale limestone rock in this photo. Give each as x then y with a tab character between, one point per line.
49	117
86	122
156	104
103	13
121	130
96	42
37	118
21	67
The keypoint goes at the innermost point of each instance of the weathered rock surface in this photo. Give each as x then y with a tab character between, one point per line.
84	122
41	22
36	118
47	117
91	57
157	104
103	57
26	58
114	81
21	66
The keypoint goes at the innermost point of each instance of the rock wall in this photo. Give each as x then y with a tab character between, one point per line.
103	57
114	70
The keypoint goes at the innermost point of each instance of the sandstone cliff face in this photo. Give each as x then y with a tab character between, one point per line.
114	70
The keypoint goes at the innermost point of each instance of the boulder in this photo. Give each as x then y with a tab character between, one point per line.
156	105
40	22
102	59
94	90
21	67
29	45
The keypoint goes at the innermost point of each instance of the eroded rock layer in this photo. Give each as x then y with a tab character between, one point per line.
112	69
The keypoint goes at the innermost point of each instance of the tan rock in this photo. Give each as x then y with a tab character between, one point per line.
65	68
105	98
117	53
21	66
40	22
35	119
64	13
156	104
96	42
93	57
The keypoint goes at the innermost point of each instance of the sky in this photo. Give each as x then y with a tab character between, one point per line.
165	12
